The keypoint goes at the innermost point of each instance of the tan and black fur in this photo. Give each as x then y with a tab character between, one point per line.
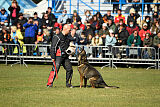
88	72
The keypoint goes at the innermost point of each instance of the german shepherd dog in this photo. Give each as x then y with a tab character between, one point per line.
88	72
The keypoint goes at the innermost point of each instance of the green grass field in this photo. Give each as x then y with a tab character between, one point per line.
26	87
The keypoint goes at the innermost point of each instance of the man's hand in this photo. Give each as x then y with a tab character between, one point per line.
132	45
53	60
158	45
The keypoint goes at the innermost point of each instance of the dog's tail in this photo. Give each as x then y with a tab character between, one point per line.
112	87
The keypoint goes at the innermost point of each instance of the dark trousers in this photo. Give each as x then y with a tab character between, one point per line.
67	66
29	40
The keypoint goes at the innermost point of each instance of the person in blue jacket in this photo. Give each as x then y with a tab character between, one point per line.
29	38
4	17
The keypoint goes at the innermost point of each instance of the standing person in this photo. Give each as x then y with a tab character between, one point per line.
14	12
119	16
103	32
4	17
134	40
115	5
59	56
51	16
62	19
21	19
30	29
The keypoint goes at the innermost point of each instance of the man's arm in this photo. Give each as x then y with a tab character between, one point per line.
54	44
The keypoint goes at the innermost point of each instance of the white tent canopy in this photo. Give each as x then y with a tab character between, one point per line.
41	8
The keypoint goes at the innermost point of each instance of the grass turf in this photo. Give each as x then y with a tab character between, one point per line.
23	87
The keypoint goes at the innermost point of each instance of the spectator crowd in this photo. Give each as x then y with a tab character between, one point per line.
91	30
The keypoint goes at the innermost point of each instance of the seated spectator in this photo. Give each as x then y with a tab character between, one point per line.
51	16
119	16
89	30
82	39
73	37
134	40
97	41
109	16
4	17
120	24
156	7
122	36
5	35
154	16
14	12
47	23
57	25
39	40
89	44
36	18
5	38
111	25
148	21
57	31
143	31
155	28
75	18
16	37
95	23
111	41
30	29
133	16
62	19
87	18
77	27
156	42
46	41
99	18
39	37
105	20
22	20
131	27
146	52
103	32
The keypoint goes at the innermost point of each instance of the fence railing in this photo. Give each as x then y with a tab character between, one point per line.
10	53
108	56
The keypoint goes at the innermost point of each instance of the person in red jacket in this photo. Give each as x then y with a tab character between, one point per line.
132	27
119	16
143	31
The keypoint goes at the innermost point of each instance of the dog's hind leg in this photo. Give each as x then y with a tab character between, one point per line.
92	82
85	82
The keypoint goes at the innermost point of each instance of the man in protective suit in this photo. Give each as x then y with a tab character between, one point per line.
60	44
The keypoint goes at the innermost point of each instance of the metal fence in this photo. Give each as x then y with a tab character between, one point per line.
134	55
108	56
10	53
